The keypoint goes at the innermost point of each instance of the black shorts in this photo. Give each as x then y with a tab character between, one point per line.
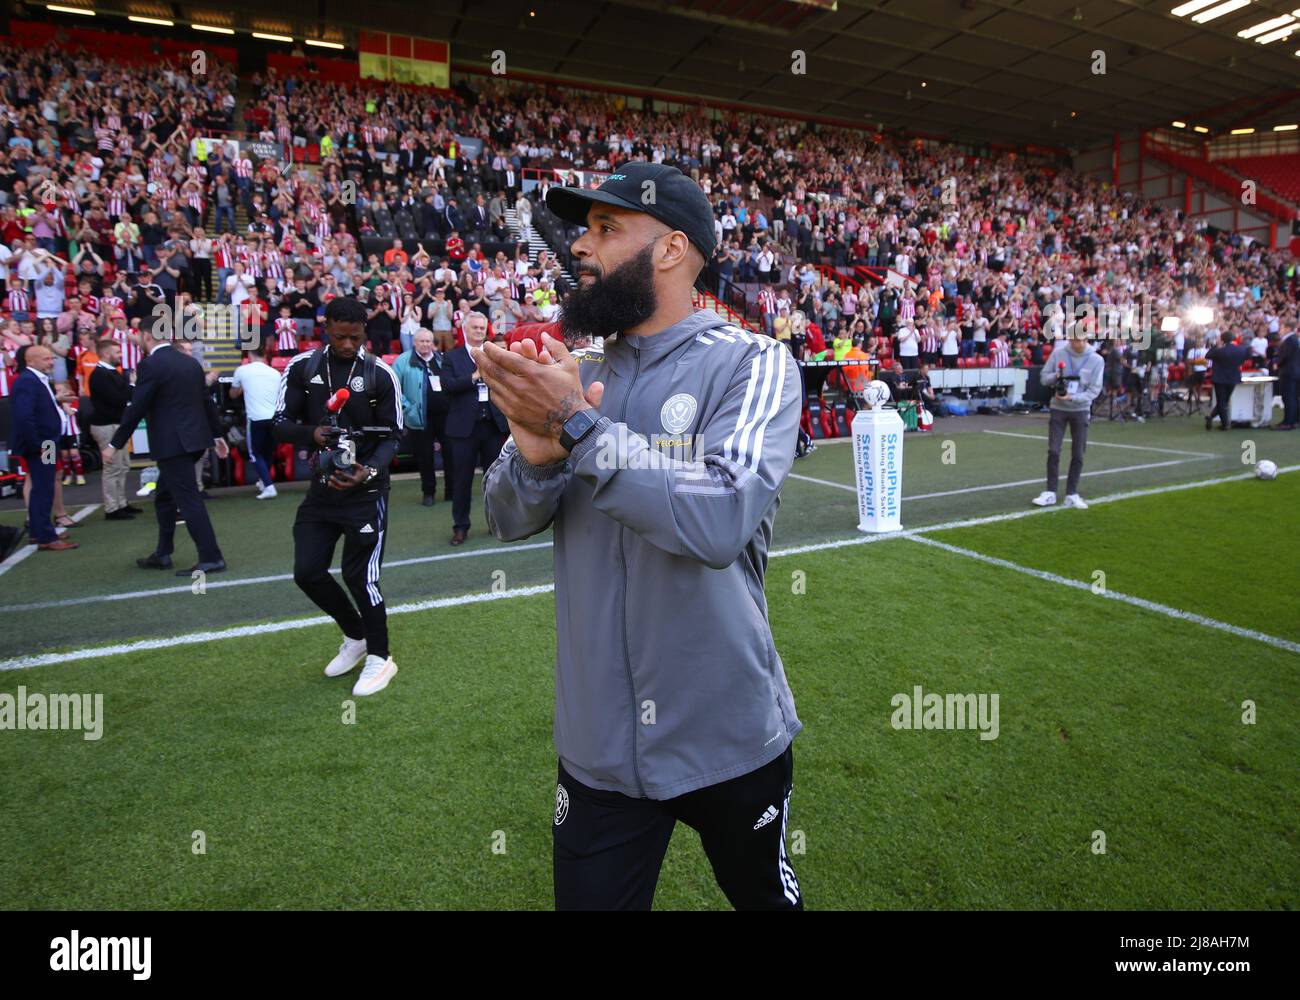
608	847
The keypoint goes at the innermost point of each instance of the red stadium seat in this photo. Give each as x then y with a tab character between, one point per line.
388	359
237	466
283	460
983	362
279	364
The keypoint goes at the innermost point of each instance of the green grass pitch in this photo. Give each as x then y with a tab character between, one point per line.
1113	718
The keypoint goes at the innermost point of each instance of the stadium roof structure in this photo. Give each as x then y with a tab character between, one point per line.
1009	71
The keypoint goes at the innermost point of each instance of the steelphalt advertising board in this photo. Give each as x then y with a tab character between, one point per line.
878	468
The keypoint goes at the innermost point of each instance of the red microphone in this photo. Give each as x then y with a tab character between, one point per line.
338	400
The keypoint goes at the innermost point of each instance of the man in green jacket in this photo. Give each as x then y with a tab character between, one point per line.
424	411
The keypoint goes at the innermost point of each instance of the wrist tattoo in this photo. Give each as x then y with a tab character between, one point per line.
555	418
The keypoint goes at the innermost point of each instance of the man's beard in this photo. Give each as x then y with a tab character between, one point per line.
622	299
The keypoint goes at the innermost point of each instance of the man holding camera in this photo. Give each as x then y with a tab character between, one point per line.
355	434
1075	369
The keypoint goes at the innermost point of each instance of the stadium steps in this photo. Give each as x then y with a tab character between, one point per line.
535	242
222	355
220	348
241	218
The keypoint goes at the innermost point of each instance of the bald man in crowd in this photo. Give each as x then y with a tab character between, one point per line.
38	423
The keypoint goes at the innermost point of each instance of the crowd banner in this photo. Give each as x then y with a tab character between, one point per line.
469	146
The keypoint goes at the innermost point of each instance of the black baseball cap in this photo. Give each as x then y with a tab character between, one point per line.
661	191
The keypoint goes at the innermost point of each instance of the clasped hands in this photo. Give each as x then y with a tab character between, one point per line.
537	392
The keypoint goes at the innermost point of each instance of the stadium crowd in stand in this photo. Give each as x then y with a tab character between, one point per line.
107	212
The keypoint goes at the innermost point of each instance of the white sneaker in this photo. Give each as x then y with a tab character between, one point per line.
1044	499
1076	501
375	677
268	494
146	490
351	652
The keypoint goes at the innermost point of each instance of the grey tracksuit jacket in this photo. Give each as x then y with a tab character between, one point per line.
1088	367
666	676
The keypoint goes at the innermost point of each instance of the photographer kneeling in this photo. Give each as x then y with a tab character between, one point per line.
345	403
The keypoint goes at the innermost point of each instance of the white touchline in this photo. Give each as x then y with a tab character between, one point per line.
1112	498
46	659
27	550
68	602
1137	602
821	482
1038	479
1108	444
1007	486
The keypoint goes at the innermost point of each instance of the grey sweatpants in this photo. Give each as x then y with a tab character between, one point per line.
1078	424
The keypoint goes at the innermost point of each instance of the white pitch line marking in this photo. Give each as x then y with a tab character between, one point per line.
27	550
1112	498
1114	595
822	482
1109	444
1007	486
68	602
46	659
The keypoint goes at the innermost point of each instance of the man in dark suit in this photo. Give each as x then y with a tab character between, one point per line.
1288	373
38	423
480	221
476	427
450	218
110	394
428	218
1227	360
171	392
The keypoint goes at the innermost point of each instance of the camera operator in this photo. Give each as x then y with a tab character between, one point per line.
1076	373
926	395
345	498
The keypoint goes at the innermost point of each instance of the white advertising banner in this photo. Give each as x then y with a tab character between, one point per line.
878	469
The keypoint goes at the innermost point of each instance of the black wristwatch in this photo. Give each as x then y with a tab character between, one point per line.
578	427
